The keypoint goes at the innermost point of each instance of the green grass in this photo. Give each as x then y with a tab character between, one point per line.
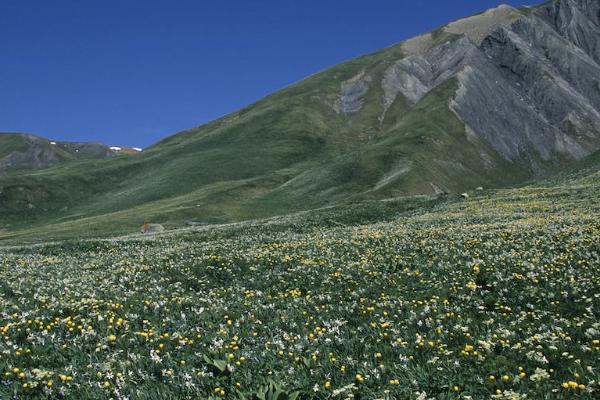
400	299
10	143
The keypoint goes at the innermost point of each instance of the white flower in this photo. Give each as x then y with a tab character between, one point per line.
155	357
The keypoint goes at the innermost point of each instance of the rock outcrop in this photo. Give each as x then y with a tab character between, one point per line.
351	95
151	228
529	83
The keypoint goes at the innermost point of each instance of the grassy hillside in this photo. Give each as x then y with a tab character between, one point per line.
495	296
333	139
10	143
27	152
289	152
15	142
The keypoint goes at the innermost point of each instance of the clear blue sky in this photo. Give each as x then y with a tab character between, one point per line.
131	72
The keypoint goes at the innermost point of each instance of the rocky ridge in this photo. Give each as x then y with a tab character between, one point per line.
34	152
528	80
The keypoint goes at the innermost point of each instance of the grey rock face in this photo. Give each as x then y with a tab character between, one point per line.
555	80
531	89
556	73
415	76
36	155
507	125
351	96
576	20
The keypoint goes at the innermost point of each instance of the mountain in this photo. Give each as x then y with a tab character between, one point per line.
497	294
493	100
24	151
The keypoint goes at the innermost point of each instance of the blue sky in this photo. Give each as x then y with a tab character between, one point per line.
131	72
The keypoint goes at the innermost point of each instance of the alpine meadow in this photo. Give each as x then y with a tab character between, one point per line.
419	223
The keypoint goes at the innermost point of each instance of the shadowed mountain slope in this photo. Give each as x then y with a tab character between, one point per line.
23	151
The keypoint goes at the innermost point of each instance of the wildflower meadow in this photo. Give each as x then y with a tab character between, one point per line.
494	297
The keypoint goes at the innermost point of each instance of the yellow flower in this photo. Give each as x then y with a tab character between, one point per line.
573	384
359	378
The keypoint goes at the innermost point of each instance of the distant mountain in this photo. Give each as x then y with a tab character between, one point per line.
25	151
493	100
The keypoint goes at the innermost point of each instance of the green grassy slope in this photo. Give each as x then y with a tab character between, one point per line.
37	152
9	143
491	297
288	152
16	142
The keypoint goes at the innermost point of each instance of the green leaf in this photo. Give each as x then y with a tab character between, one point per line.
277	393
293	395
220	364
306	361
